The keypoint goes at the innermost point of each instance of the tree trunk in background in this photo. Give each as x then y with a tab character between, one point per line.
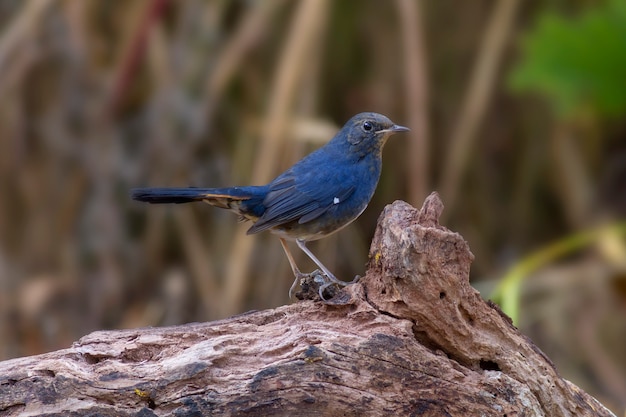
411	338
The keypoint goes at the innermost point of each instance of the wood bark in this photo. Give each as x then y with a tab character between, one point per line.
412	337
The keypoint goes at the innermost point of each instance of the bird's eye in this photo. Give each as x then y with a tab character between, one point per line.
367	126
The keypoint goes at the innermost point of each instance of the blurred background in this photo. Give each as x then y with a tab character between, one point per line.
518	118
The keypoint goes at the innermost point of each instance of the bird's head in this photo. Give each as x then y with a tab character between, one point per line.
367	133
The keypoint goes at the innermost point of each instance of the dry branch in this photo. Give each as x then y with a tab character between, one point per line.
412	338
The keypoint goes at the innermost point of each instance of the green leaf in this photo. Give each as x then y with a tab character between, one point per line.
577	64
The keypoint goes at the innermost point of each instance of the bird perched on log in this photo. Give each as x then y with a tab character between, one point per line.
319	195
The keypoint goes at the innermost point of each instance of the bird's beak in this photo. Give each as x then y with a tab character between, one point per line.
398	128
395	129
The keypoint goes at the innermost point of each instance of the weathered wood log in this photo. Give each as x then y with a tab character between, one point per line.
411	338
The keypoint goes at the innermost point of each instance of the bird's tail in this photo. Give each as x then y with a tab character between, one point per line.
170	195
246	201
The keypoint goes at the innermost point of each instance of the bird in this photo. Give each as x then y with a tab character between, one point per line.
319	195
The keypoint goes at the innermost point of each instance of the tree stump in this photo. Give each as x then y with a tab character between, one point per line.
412	337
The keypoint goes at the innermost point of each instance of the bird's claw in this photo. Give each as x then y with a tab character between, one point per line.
356	279
329	282
317	279
303	280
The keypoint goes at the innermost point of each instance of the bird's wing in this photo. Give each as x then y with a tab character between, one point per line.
301	198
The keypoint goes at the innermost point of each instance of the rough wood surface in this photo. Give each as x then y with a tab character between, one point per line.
411	338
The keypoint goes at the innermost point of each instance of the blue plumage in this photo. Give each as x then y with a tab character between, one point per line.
320	194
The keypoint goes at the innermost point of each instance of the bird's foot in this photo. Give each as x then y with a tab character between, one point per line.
317	283
330	286
308	284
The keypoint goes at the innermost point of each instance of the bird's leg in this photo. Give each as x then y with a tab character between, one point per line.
302	245
329	275
294	267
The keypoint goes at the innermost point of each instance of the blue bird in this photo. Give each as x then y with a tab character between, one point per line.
319	195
